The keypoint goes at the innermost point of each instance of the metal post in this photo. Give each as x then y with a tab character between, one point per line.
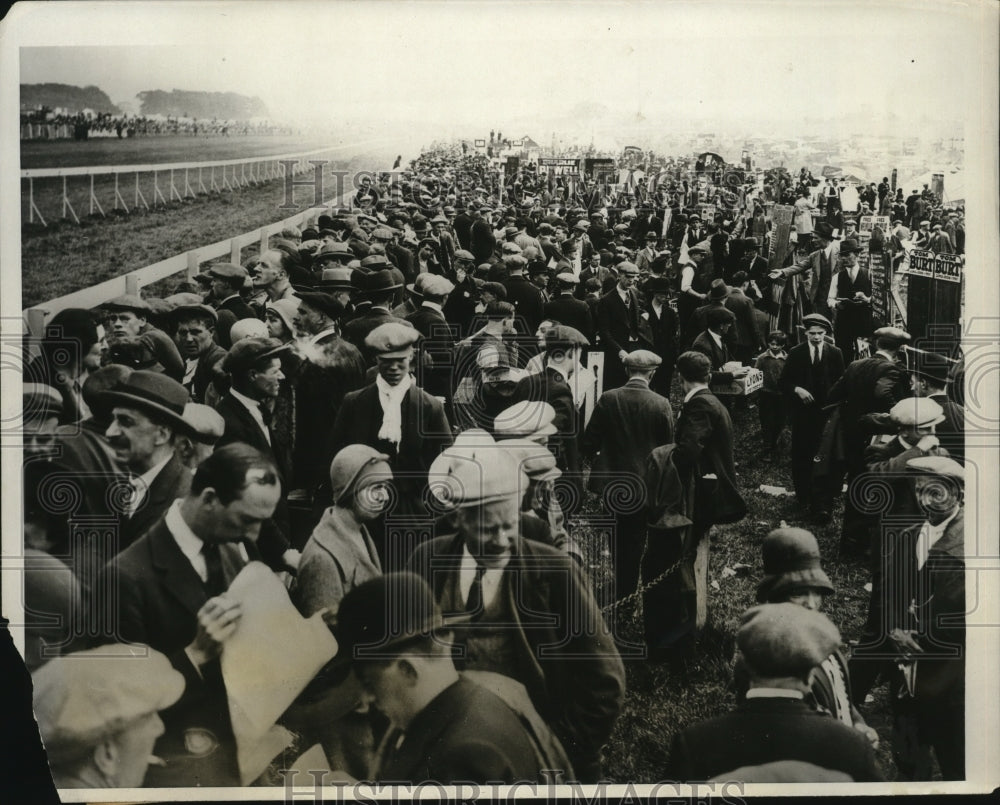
32	208
93	199
67	205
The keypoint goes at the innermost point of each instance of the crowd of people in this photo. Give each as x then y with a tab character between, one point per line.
44	125
396	410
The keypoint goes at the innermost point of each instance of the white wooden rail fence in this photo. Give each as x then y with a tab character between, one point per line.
198	177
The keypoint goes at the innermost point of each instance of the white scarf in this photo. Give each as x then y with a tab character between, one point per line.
391	399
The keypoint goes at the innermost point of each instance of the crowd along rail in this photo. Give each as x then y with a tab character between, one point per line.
198	178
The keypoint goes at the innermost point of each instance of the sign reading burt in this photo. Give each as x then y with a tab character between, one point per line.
921	263
948	267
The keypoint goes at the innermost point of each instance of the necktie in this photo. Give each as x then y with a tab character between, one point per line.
137	496
815	355
266	414
215	584
474	603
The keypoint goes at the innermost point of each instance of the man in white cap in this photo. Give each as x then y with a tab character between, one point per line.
914	419
519	596
627	423
398	418
98	714
926	622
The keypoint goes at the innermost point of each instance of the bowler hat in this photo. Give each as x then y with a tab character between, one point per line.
850	246
323	302
656	285
825	230
379	281
715	316
153	393
381	615
718	290
791	561
336	279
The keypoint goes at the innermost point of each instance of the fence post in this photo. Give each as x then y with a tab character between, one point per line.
132	284
263	239
235	251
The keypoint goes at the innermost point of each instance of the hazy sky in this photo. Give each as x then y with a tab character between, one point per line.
456	65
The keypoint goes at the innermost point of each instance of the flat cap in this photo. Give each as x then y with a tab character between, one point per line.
916	412
40	401
392	340
625	267
499	290
128	302
701	247
892	335
814	319
247	328
249	352
375	261
85	697
528	419
719	315
932	366
562	335
436	285
937	465
777	640
567	278
473	471
227	271
642	359
509	247
462	254
534	459
205	424
183	312
515	262
382	233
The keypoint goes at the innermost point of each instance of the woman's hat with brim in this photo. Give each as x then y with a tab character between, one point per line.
791	562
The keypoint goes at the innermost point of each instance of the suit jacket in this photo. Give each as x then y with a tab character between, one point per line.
466	733
567	657
528	304
616	323
704	439
205	372
764	730
664	330
159	597
172	482
437	349
745	327
627	424
817	380
951	432
817	273
889	461
937	594
482	241
425	433
567	309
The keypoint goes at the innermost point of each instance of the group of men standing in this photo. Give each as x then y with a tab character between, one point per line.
393	405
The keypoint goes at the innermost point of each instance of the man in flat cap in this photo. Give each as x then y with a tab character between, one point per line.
811	369
171	596
620	325
696	280
396	417
134	342
147	411
194	332
779	645
914	419
98	714
205	428
926	623
532	616
526	298
930	374
566	309
445	726
868	386
438	343
627	423
70	350
227	283
460	307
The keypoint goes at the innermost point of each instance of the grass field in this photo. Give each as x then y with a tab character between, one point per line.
158	149
65	257
661	700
